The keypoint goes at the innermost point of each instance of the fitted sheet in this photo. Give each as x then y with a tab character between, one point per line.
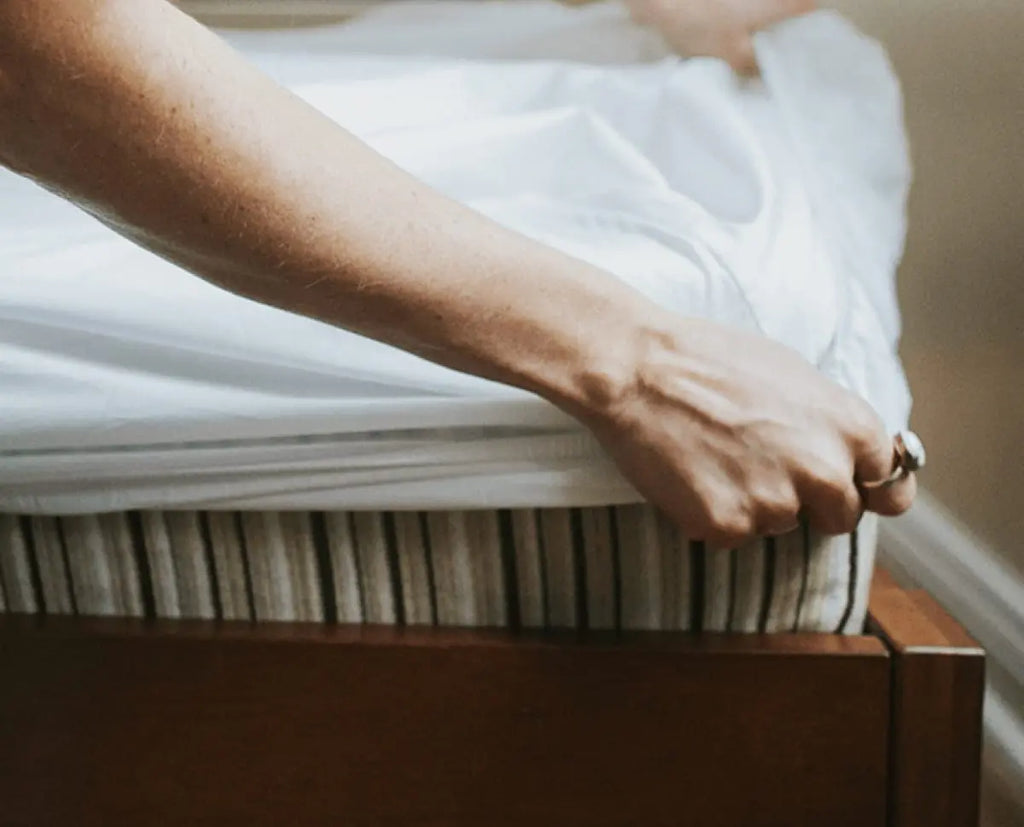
776	206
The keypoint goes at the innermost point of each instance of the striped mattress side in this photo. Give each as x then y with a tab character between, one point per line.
615	567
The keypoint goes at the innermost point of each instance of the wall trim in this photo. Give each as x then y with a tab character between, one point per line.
932	548
1004	761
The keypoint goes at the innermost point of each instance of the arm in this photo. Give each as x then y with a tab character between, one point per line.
152	123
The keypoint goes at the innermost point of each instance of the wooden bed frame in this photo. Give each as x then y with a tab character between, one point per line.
110	722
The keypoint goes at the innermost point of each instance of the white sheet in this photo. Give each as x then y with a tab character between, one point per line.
775	206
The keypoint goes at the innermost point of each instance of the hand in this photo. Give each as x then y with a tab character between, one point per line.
716	28
735	436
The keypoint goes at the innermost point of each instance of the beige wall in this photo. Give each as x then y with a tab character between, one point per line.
962	282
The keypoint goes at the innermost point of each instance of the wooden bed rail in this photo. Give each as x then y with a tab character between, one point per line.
121	722
938	680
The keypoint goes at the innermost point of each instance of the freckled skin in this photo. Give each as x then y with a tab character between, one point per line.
154	125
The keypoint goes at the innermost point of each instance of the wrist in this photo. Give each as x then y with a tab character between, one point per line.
606	373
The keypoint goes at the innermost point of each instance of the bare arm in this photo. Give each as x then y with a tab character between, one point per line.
151	122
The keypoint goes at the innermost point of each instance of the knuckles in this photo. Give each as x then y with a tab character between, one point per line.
734	518
727	531
726	519
865	427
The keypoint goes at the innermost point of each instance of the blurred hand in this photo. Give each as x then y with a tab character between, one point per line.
716	28
735	436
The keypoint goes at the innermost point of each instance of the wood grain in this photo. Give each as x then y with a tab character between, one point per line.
938	686
123	722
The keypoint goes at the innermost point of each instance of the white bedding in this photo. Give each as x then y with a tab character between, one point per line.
775	206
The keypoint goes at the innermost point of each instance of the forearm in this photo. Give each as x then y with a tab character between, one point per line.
152	123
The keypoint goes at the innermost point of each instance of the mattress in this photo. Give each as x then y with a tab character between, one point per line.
607	568
172	449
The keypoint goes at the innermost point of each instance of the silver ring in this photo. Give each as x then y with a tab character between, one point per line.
908	455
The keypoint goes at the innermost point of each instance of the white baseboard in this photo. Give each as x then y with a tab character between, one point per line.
933	549
1004	761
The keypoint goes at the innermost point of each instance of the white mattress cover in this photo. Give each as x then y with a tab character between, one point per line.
777	206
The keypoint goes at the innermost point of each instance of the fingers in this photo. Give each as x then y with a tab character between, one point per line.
777	510
726	516
893	499
874	456
742	58
875	461
721	29
770	12
767	13
832	503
